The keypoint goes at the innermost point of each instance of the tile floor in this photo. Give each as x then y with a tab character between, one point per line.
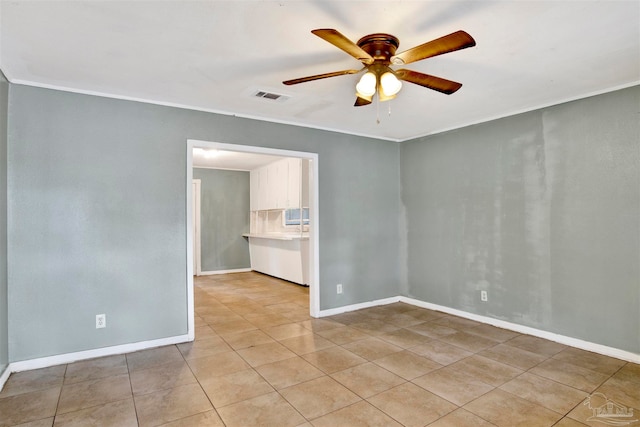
260	360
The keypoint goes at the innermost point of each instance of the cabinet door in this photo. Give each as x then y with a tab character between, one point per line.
263	188
293	183
254	190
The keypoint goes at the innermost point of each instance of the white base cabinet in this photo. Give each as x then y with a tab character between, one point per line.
285	258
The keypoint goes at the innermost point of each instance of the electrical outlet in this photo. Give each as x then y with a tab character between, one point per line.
484	296
101	321
339	288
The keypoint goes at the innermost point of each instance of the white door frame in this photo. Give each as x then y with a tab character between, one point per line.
314	244
197	255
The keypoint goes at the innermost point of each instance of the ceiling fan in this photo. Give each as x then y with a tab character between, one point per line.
377	52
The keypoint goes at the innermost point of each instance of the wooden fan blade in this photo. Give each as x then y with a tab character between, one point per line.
341	42
360	101
319	76
449	43
431	82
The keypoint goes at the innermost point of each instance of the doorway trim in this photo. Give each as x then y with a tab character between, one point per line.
314	216
197	259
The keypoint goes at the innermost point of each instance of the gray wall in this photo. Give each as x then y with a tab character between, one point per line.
4	305
97	216
542	210
224	217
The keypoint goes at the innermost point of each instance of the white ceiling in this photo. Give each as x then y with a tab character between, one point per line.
233	160
213	55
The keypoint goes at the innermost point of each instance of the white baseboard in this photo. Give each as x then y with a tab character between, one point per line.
5	376
562	339
237	270
359	306
45	362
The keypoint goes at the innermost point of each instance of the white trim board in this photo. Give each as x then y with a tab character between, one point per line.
236	270
60	359
561	339
44	362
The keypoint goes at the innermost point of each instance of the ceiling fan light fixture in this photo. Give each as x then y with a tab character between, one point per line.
390	84
367	84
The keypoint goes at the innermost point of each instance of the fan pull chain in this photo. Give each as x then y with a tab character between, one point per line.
377	109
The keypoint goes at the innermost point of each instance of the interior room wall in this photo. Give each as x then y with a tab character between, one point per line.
4	305
541	210
224	217
97	217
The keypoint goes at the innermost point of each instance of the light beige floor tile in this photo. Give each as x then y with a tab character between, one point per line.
227	389
361	414
308	343
568	422
402	320
452	385
93	392
266	410
623	389
506	410
514	356
461	418
588	360
288	372
204	332
412	405
344	335
216	365
456	322
265	353
405	338
146	359
441	352
333	359
37	379
594	412
492	332
469	342
374	327
26	407
288	330
408	365
171	404
486	370
372	348
571	375
116	414
233	327
96	368
248	339
45	422
317	325
432	330
319	397
536	345
425	314
367	379
203	348
203	419
266	320
164	376
550	394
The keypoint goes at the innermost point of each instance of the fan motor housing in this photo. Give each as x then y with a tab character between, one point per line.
380	46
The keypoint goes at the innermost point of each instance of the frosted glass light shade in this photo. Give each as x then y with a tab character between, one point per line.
367	84
390	84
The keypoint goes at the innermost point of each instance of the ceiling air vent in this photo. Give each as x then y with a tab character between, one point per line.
270	96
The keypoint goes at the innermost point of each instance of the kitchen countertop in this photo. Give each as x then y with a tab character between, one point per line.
278	236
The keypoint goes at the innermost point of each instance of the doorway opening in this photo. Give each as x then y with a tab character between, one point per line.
312	257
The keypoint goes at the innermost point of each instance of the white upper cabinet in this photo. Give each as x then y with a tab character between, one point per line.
276	185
